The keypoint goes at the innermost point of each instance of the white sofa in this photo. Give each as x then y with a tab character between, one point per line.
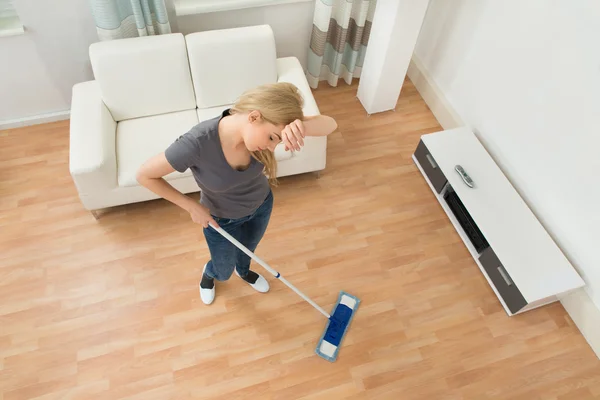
150	90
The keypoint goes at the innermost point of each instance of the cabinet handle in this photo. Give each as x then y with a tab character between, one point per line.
505	276
431	161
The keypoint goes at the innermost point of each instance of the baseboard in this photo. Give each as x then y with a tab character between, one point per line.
35	120
586	316
433	96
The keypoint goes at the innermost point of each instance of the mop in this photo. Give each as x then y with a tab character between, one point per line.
338	322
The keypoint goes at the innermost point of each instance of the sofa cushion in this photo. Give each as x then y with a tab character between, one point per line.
141	138
225	63
143	76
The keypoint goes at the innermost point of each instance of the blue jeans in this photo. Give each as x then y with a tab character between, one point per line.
248	230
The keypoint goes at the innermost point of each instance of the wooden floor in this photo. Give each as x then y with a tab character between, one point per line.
110	309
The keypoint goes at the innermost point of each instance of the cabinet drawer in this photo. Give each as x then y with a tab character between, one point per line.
502	281
432	170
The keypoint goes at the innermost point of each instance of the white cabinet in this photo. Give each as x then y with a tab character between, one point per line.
519	259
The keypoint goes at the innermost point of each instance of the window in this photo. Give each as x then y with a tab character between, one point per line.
191	7
10	24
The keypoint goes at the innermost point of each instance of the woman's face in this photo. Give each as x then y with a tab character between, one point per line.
261	135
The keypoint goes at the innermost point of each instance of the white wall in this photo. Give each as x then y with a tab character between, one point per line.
38	69
525	75
291	23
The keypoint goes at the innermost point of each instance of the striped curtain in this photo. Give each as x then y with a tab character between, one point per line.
118	19
339	40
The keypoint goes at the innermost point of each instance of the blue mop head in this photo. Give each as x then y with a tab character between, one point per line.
337	326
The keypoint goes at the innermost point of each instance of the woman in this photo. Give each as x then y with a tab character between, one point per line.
231	158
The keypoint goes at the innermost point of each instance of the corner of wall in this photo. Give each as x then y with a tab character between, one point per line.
433	95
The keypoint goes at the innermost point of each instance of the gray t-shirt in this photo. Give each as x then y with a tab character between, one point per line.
226	192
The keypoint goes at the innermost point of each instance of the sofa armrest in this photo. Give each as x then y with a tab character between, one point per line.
92	155
290	70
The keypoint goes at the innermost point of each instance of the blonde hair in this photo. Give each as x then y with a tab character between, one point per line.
278	103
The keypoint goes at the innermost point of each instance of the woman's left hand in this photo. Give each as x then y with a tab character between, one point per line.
292	135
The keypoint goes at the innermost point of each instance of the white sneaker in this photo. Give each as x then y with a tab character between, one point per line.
207	295
261	284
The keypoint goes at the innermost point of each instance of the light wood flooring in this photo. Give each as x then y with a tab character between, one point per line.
110	309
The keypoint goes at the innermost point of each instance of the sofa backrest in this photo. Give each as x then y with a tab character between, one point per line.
226	62
143	76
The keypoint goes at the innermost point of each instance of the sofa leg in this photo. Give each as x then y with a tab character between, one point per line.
318	174
96	214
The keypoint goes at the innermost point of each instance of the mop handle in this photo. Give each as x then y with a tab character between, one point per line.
271	270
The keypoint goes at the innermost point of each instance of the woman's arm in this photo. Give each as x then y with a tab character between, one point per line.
319	125
150	175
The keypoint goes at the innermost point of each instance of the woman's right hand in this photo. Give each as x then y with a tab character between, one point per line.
151	174
201	215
